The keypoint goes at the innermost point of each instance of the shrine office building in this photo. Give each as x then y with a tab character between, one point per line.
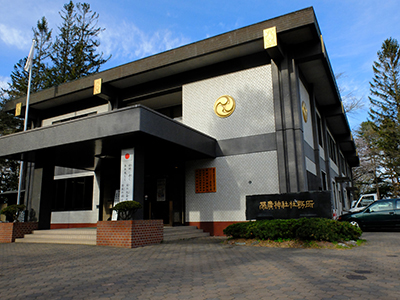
192	132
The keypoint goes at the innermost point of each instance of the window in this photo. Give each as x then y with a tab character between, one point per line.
381	206
319	131
366	201
332	149
74	118
73	194
342	164
323	180
172	111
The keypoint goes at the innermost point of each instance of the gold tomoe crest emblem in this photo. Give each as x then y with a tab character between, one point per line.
305	111
224	106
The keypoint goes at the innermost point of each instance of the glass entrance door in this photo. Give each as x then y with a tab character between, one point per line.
165	194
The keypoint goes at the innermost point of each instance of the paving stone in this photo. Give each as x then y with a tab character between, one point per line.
201	269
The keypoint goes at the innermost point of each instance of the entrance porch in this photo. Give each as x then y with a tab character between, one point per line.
93	143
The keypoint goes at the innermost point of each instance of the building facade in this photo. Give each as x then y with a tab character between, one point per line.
191	132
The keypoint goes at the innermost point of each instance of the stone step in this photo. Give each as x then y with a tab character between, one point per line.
179	228
57	241
87	236
62	236
182	233
81	236
67	231
178	237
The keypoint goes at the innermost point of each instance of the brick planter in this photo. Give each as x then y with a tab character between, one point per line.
129	234
10	231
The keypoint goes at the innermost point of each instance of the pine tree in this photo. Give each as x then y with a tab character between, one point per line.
40	72
63	47
85	60
72	55
385	109
8	168
74	50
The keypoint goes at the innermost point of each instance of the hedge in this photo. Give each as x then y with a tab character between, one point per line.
318	229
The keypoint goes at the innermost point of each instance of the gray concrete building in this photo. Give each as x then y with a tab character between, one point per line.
191	132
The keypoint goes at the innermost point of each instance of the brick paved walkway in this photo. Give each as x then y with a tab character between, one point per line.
201	269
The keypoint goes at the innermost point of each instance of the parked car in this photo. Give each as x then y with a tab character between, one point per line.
379	214
363	202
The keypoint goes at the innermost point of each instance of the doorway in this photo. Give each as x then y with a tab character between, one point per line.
165	192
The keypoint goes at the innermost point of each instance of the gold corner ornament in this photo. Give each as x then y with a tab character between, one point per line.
97	86
304	111
322	44
270	38
18	109
224	106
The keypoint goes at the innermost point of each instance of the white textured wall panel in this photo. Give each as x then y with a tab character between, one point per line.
311	167
252	91
233	175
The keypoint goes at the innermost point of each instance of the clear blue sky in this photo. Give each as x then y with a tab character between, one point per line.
353	30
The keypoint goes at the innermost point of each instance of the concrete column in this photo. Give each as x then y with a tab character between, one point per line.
139	180
288	124
43	193
108	175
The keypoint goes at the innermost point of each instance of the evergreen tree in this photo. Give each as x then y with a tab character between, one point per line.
8	168
74	50
85	59
19	82
385	109
63	47
40	72
72	55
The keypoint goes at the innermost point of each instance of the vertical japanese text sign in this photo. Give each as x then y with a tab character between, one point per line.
126	181
127	173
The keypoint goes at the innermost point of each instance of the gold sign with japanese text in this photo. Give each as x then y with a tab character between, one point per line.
299	204
289	205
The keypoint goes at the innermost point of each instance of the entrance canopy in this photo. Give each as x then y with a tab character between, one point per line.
76	143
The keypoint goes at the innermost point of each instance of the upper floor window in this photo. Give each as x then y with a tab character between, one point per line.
332	149
74	118
324	181
342	164
319	131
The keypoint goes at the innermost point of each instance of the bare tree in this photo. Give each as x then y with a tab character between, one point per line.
351	102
